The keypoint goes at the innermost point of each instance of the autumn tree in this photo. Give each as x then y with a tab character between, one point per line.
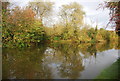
5	13
114	14
72	16
41	8
21	28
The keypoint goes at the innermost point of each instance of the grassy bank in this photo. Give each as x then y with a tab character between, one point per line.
110	72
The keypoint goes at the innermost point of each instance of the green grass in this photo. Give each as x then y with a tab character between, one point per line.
110	72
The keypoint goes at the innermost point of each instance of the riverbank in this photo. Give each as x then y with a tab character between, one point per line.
111	72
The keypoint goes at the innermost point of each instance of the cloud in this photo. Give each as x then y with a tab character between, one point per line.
95	16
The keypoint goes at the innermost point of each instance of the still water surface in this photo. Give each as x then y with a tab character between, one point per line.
58	61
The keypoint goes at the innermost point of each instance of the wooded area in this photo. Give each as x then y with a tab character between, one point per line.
23	27
41	42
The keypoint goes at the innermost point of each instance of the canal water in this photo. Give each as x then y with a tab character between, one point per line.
58	61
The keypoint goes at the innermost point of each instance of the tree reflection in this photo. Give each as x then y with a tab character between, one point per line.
51	61
72	65
25	64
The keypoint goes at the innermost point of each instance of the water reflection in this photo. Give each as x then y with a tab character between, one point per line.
49	62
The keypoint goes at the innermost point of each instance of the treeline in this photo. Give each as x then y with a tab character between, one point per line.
85	35
24	27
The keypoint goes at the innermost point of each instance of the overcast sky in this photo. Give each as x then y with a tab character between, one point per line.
93	14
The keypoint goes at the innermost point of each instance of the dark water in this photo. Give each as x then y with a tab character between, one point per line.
84	61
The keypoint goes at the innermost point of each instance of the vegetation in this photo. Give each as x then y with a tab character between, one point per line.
110	72
114	14
24	27
67	42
